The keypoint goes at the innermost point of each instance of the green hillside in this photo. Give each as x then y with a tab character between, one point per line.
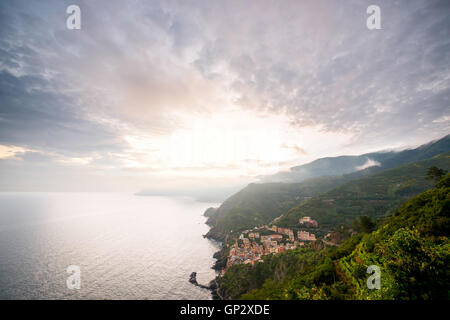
375	196
411	248
259	204
334	166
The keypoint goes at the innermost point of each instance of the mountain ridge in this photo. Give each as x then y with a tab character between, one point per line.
260	203
346	164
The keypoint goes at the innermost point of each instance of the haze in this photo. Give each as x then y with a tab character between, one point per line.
172	95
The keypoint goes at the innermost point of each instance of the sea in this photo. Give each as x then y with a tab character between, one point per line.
103	246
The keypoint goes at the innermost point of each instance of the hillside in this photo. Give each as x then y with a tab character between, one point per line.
334	166
375	195
258	204
411	248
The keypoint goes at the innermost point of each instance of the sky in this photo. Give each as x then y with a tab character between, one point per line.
190	94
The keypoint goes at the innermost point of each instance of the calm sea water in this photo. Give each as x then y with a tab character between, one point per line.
127	246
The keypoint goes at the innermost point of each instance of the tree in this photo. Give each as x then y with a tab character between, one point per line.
366	224
444	182
435	174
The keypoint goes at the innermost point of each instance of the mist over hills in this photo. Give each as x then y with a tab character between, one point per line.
259	204
345	167
376	161
374	195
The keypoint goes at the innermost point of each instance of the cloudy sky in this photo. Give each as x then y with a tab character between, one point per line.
163	93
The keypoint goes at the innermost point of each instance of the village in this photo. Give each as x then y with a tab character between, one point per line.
253	244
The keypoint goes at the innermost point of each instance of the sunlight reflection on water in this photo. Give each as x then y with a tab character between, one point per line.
128	247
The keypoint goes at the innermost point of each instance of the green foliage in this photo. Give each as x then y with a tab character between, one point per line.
259	204
435	174
345	165
366	224
349	195
417	266
243	278
411	248
374	196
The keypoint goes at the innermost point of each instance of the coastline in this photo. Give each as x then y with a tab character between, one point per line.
219	264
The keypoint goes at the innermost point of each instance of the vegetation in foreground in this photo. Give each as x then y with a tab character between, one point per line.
411	248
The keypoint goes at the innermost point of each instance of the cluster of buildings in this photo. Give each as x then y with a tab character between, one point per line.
250	252
250	249
288	232
307	221
306	236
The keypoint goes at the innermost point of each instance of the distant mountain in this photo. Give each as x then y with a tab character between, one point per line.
260	203
375	195
213	194
376	161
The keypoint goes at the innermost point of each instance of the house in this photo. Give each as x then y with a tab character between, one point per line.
285	231
306	236
308	222
291	236
276	237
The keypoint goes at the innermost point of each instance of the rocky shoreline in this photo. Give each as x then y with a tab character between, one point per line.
221	259
219	264
212	286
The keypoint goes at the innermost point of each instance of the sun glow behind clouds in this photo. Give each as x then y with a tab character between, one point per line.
11	151
230	143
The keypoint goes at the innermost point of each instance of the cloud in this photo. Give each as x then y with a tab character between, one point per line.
322	66
10	152
369	163
146	69
295	147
